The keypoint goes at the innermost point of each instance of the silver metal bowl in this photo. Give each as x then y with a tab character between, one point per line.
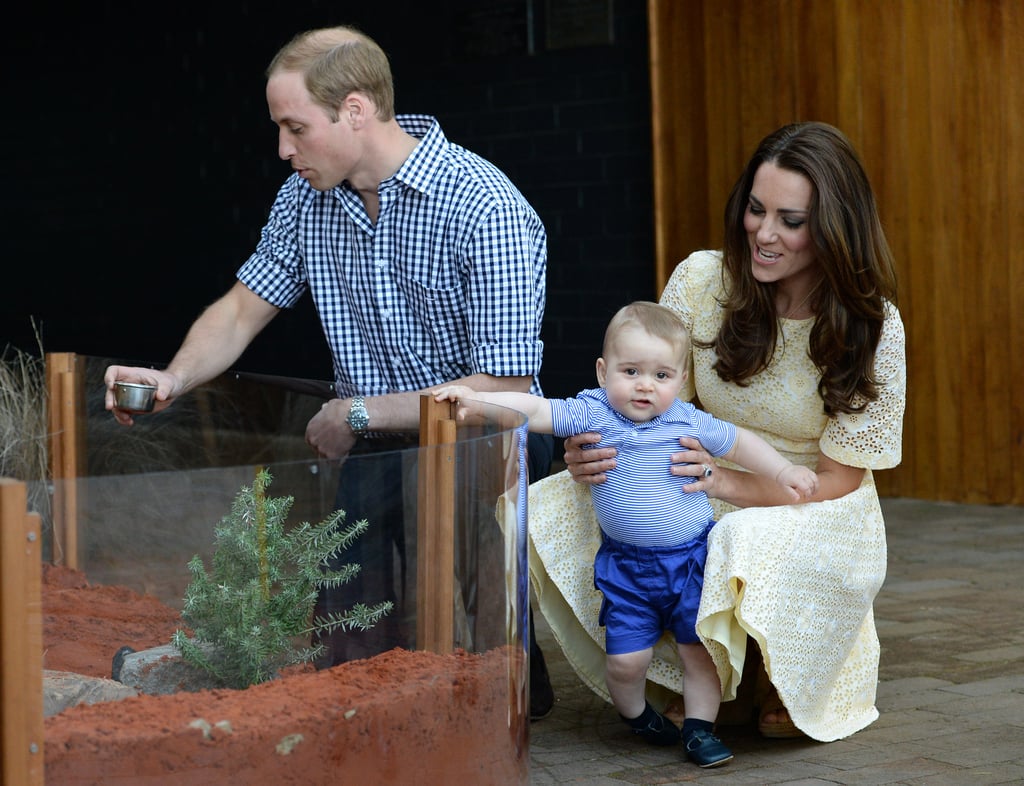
133	397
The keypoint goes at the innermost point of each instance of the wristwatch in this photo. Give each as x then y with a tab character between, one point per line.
358	418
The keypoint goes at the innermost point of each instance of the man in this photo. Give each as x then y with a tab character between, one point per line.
425	264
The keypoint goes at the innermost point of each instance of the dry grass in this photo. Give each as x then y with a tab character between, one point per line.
146	493
23	426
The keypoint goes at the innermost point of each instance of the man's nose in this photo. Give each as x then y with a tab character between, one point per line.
285	149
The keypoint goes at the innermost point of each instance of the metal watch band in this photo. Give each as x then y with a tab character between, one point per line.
358	418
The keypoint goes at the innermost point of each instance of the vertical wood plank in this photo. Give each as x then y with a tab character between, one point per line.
882	32
68	405
679	132
435	510
21	651
57	363
992	191
66	421
724	79
815	89
445	534
849	50
974	195
1013	242
33	654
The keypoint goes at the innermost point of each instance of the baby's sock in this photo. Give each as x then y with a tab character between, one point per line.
694	724
653	726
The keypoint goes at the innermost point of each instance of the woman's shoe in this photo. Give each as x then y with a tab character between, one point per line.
777	728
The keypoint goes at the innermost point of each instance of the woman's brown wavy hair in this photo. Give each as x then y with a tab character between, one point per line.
856	265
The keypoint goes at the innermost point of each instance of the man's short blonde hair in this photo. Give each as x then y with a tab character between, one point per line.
337	61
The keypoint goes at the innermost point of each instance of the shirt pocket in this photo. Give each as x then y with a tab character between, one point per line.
438	333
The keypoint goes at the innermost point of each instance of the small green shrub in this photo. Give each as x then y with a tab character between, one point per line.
259	599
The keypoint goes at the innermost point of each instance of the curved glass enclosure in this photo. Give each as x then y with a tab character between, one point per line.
445	544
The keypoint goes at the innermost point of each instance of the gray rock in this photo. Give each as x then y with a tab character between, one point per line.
63	689
162	670
156	671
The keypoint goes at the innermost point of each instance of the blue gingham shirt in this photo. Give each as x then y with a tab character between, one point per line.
642	502
449	282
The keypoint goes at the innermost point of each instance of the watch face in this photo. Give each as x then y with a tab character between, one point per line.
358	418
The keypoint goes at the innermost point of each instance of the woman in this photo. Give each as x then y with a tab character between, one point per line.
796	337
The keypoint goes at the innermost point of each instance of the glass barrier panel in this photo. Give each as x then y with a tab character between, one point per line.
448	522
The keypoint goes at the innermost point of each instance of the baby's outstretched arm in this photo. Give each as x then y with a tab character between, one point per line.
753	453
536	408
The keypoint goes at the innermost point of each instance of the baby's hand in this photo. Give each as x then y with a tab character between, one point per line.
800	480
460	395
453	393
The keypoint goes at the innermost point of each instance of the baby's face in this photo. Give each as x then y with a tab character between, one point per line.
641	373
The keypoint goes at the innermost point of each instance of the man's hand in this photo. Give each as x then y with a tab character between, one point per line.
328	433
168	387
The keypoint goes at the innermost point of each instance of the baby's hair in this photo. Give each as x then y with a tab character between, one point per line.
654	318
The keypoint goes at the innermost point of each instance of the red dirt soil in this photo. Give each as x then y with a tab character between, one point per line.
400	717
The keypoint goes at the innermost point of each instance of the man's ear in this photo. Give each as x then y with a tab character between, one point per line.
354	110
602	372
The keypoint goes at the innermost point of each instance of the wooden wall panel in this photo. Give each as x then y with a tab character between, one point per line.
932	94
921	231
1013	236
723	67
680	141
985	124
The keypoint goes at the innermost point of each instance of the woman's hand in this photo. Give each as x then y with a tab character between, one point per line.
588	466
695	462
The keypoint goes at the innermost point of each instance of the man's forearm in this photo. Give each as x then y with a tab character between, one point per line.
219	336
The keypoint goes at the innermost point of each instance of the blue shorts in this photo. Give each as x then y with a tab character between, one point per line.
648	590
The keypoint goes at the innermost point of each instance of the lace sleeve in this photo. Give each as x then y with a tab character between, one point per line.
874	437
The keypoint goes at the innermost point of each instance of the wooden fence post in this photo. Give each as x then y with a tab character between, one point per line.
21	639
66	423
435	560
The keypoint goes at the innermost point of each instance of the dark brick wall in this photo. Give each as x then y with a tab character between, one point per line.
140	163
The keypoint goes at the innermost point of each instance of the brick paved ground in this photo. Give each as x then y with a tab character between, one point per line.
951	686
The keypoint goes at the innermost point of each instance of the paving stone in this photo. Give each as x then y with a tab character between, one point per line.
950	618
